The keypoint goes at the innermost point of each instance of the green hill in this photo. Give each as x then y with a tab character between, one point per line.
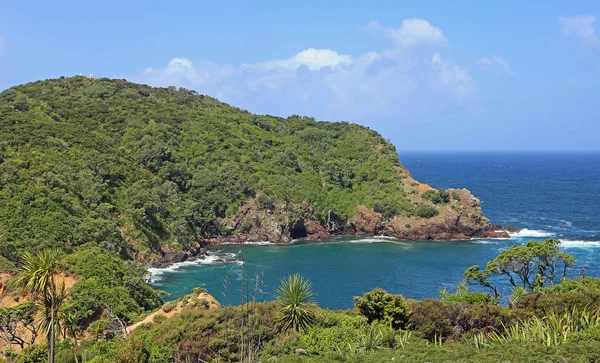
131	168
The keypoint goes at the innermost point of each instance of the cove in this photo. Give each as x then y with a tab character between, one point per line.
343	267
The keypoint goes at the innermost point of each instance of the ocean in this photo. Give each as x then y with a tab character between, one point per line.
547	194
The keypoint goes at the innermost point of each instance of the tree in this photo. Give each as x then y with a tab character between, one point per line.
380	305
294	296
529	266
474	273
17	325
36	276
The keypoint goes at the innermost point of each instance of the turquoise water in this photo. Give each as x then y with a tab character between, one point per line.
549	194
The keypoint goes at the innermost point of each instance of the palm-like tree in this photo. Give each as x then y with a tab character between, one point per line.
36	276
517	293
294	295
443	293
463	287
68	321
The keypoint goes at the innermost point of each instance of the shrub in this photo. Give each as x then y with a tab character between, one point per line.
379	305
470	319
318	339
388	207
426	211
33	354
469	298
573	285
587	335
437	196
159	318
170	306
430	318
330	318
540	304
199	290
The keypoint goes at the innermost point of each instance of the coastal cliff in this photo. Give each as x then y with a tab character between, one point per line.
458	219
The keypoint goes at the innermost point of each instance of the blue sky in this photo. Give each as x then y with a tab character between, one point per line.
460	75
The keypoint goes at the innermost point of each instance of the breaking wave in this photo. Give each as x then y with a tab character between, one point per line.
256	243
530	233
216	258
565	243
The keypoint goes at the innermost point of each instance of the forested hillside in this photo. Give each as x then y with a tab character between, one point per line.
129	168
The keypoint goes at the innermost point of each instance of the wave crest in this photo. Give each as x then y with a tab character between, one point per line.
530	233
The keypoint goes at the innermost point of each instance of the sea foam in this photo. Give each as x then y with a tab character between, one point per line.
530	233
255	243
155	273
566	243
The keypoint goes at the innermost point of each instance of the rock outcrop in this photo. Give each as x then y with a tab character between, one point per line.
459	218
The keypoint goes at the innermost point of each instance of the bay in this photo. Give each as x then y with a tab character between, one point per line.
549	194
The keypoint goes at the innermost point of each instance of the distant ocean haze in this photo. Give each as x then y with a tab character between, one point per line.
548	194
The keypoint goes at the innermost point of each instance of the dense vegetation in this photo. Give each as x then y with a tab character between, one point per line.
127	167
435	331
547	322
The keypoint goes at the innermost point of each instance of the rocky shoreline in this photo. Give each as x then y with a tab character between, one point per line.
170	258
460	218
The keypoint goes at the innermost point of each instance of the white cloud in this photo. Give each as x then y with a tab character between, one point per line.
313	59
494	64
455	78
329	85
581	26
413	32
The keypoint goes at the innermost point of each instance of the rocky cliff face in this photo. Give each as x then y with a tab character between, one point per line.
460	218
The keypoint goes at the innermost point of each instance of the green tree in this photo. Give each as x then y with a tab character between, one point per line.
294	297
529	266
380	305
37	276
475	274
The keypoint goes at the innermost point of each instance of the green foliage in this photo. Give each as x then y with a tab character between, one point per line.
468	320
586	335
200	290
100	162
34	354
294	296
170	306
37	277
370	339
541	304
430	318
530	266
456	196
551	330
379	305
159	318
109	282
517	293
426	211
572	285
437	196
332	330
469	298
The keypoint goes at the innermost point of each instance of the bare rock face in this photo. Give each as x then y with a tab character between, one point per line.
460	218
280	222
